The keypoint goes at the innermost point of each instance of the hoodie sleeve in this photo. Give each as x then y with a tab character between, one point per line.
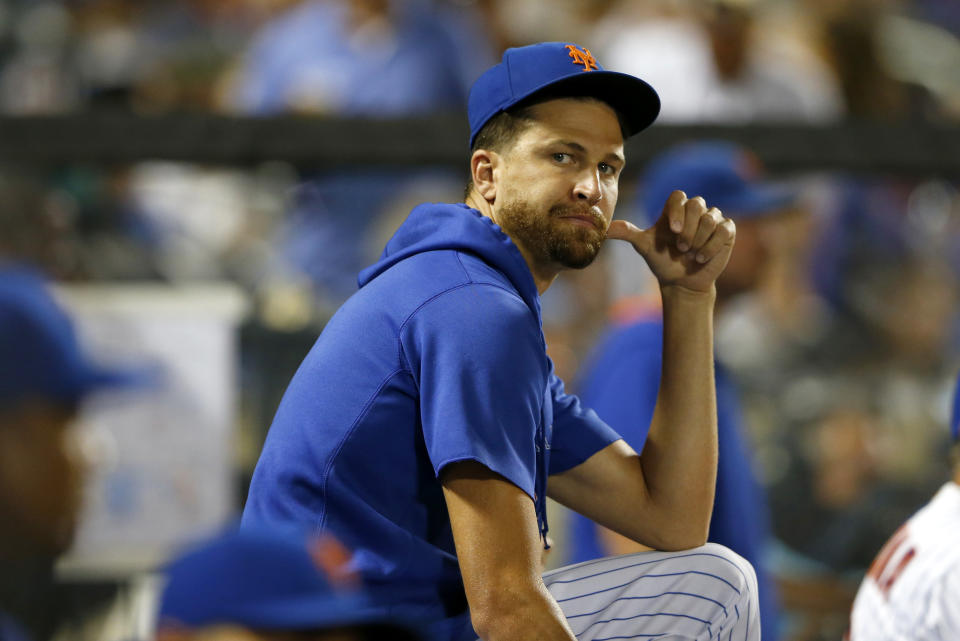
478	360
578	433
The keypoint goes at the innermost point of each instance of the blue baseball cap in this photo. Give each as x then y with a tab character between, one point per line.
263	579
955	414
725	175
558	69
40	357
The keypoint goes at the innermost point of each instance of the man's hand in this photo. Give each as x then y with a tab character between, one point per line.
687	247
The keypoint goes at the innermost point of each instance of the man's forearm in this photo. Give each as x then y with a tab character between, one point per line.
499	550
680	455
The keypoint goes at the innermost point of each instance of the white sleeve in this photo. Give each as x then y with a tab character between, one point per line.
949	597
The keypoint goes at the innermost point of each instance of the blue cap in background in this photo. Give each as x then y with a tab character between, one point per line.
559	69
725	175
40	357
262	579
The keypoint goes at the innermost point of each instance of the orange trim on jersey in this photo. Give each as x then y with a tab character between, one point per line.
333	559
880	563
633	309
904	561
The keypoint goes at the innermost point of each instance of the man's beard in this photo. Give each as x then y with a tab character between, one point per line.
548	239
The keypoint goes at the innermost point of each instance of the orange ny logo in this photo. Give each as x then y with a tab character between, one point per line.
582	57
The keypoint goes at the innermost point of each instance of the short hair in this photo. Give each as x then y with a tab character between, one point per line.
503	129
499	133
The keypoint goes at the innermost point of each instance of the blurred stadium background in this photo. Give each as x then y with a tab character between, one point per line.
204	178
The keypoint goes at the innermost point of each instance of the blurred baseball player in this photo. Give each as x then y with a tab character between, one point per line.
44	376
912	589
268	585
426	428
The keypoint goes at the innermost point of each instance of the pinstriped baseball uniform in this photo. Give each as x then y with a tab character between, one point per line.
700	594
912	590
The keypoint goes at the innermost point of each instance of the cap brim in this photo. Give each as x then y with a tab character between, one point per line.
320	612
93	378
634	100
758	201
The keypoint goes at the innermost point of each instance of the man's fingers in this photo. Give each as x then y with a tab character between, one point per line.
673	210
707	224
693	210
723	237
623	230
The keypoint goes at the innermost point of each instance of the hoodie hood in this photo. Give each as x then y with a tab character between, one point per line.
444	226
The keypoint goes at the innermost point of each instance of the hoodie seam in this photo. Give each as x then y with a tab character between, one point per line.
466	274
325	476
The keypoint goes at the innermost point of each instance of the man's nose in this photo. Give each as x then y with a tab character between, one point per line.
588	187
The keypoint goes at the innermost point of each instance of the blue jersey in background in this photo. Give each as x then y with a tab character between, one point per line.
620	383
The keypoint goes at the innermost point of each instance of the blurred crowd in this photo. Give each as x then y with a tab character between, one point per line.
726	61
844	351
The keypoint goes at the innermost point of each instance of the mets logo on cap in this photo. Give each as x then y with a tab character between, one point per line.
582	57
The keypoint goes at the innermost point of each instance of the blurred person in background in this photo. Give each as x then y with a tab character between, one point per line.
891	61
622	376
857	437
268	585
912	590
375	58
77	224
372	58
739	61
44	378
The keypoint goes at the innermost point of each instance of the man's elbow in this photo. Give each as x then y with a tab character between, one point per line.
498	612
487	623
684	537
680	543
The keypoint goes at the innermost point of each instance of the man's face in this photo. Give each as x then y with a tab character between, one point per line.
41	478
557	183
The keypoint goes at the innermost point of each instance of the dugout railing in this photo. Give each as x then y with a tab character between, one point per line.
903	148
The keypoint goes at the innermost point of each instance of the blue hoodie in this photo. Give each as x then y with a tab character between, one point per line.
438	358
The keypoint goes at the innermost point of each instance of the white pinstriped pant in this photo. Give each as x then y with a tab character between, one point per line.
705	593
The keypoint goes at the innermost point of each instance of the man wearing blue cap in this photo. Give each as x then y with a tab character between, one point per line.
622	377
268	585
912	589
426	427
44	376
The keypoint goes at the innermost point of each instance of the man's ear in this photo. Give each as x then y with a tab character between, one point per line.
484	169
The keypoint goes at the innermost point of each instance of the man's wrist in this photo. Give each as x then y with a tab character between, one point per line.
679	295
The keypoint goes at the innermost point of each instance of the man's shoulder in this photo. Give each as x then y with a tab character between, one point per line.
628	355
626	339
444	268
475	308
421	281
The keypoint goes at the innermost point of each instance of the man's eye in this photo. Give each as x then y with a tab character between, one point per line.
561	157
607	169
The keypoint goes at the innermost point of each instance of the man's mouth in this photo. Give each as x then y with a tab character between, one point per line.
584	218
